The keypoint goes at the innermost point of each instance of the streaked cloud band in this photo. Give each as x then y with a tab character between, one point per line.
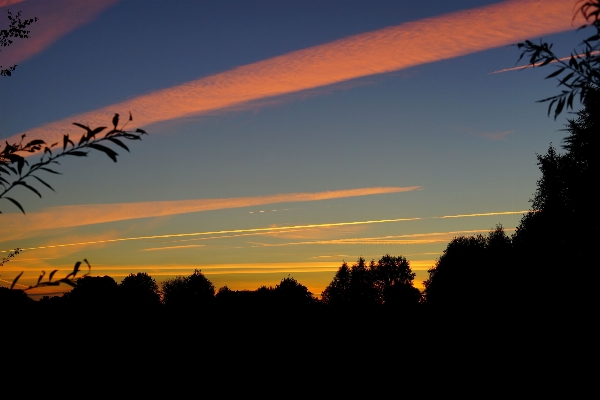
78	215
385	50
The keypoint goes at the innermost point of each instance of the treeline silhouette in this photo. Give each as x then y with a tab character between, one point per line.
535	267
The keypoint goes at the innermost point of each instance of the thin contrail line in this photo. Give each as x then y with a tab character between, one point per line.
593	53
272	229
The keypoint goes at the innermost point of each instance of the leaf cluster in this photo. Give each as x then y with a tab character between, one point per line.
71	278
16	29
577	74
16	171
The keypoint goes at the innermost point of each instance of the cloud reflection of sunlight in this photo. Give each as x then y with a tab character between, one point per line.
390	49
269	229
17	225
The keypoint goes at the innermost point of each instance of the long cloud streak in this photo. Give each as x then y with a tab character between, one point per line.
270	229
70	216
385	50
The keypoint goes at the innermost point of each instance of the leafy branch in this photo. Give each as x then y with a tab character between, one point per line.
16	171
71	279
16	29
577	74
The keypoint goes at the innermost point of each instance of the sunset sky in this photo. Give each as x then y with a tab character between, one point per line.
285	136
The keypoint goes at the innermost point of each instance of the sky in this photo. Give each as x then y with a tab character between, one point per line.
285	137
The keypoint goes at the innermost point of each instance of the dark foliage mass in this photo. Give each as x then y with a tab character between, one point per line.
188	291
386	282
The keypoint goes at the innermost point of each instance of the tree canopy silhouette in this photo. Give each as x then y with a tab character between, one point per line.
473	271
562	229
388	281
139	291
194	290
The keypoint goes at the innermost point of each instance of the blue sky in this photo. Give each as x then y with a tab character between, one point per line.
466	138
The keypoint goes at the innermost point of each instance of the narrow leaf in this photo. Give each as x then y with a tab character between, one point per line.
108	151
50	170
77	153
41	276
34	190
51	275
118	143
115	121
555	73
14	282
44	183
16	203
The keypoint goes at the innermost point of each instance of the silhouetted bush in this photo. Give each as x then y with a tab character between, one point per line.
94	292
139	291
194	290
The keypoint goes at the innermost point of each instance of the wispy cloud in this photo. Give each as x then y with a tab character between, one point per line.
385	50
413	238
261	230
5	3
494	135
520	67
18	225
55	19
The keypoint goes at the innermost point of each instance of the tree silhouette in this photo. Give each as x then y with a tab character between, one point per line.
94	292
393	281
194	290
337	293
473	271
16	29
388	281
290	293
13	298
139	291
562	229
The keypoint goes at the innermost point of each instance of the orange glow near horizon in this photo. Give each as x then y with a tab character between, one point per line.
386	50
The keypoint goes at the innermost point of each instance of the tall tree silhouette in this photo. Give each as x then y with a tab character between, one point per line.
562	230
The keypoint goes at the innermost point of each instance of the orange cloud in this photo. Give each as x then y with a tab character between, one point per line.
385	50
4	3
15	225
55	19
